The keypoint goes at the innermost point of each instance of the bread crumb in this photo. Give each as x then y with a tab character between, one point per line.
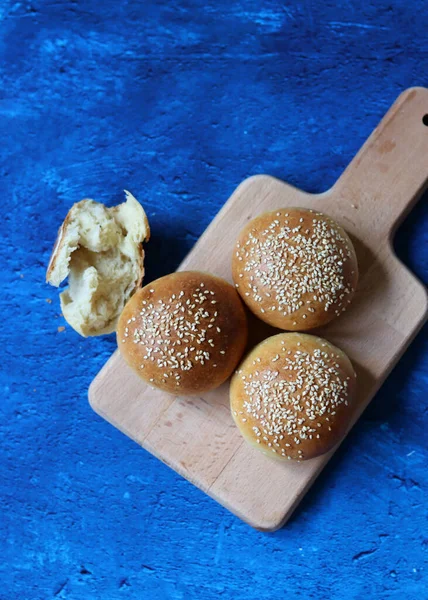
100	250
48	300
61	328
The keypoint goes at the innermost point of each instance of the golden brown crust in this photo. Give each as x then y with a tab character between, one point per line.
54	253
184	333
293	396
60	241
141	269
296	269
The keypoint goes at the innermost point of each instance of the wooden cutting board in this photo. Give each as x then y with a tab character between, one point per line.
196	436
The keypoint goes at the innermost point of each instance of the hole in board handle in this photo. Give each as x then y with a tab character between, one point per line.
425	120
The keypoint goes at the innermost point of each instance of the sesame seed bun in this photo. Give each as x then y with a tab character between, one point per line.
293	396
296	269
184	333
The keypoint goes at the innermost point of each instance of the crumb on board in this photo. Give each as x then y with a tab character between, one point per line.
49	300
61	328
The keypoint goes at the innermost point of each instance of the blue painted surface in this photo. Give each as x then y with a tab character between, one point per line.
178	102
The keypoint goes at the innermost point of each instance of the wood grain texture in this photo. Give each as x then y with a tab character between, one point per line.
197	437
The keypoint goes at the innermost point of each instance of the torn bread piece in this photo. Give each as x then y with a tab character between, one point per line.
100	250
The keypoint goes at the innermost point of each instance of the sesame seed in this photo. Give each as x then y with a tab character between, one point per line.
307	263
293	409
171	331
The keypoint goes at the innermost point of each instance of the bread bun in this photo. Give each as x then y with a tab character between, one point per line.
184	333
100	250
293	396
296	269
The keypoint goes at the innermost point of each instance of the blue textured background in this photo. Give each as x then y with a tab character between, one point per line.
178	102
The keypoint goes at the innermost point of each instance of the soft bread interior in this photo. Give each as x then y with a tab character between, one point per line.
100	250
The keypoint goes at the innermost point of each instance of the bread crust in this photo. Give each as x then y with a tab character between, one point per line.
55	250
296	269
293	396
184	333
60	243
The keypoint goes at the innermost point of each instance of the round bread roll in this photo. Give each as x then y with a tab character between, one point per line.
293	396
184	333
296	269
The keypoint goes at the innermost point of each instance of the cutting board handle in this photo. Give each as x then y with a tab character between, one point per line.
392	166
